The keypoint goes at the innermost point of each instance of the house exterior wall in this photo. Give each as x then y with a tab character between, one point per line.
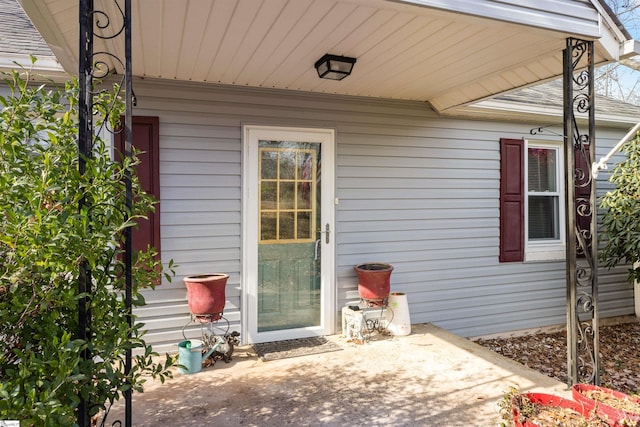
415	190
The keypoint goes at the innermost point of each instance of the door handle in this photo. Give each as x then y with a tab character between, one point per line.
326	233
317	250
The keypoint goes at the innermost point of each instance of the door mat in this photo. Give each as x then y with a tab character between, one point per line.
294	348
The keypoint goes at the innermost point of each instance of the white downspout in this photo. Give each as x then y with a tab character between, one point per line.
602	164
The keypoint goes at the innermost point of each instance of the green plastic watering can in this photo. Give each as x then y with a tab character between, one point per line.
190	355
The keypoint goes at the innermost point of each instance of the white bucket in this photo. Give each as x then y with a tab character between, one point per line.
397	314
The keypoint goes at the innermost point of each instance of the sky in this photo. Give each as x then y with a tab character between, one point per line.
619	81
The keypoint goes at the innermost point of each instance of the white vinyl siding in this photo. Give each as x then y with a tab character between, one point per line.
414	189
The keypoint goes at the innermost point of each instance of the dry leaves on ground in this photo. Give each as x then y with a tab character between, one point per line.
547	353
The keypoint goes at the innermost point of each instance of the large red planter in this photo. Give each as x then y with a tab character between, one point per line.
374	281
615	416
206	294
544	400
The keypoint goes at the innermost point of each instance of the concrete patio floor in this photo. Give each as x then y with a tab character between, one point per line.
429	378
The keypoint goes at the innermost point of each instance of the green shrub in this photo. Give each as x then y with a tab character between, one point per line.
621	218
44	237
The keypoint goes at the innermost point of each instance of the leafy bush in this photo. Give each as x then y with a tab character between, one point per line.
44	237
621	219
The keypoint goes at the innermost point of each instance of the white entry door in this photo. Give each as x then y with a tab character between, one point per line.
288	217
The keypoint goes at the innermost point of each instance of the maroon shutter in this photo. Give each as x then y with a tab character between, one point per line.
146	140
511	200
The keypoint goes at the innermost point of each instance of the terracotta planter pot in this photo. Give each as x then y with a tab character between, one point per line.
374	281
620	414
206	294
520	416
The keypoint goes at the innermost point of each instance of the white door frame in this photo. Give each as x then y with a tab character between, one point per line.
249	275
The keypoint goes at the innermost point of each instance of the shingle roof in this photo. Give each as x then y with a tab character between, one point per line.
551	95
17	33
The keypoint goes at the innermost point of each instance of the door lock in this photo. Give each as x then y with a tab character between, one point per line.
326	232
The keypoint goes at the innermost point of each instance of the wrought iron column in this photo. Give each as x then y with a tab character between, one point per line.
580	203
85	143
128	149
92	70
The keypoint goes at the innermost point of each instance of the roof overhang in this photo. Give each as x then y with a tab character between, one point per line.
44	69
543	105
9	62
449	54
540	115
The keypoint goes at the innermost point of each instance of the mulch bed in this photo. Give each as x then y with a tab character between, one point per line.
547	353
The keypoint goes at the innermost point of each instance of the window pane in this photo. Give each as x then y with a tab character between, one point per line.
305	165
287	165
542	169
287	226
269	164
268	196
268	223
289	184
304	195
287	195
543	217
304	225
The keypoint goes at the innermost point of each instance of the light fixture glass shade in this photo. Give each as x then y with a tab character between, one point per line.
334	67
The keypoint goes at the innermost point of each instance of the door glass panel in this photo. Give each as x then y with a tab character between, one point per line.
269	196
268	223
287	224
287	164
304	231
287	194
288	262
268	165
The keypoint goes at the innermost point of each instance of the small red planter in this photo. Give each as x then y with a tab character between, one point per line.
544	400
374	282
615	416
206	294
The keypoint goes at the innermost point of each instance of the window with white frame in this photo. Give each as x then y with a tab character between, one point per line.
544	202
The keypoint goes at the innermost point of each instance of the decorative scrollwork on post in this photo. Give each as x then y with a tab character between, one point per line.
581	246
94	67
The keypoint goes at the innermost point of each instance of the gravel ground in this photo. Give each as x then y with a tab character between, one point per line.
547	353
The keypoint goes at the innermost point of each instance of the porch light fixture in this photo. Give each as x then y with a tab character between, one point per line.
334	67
